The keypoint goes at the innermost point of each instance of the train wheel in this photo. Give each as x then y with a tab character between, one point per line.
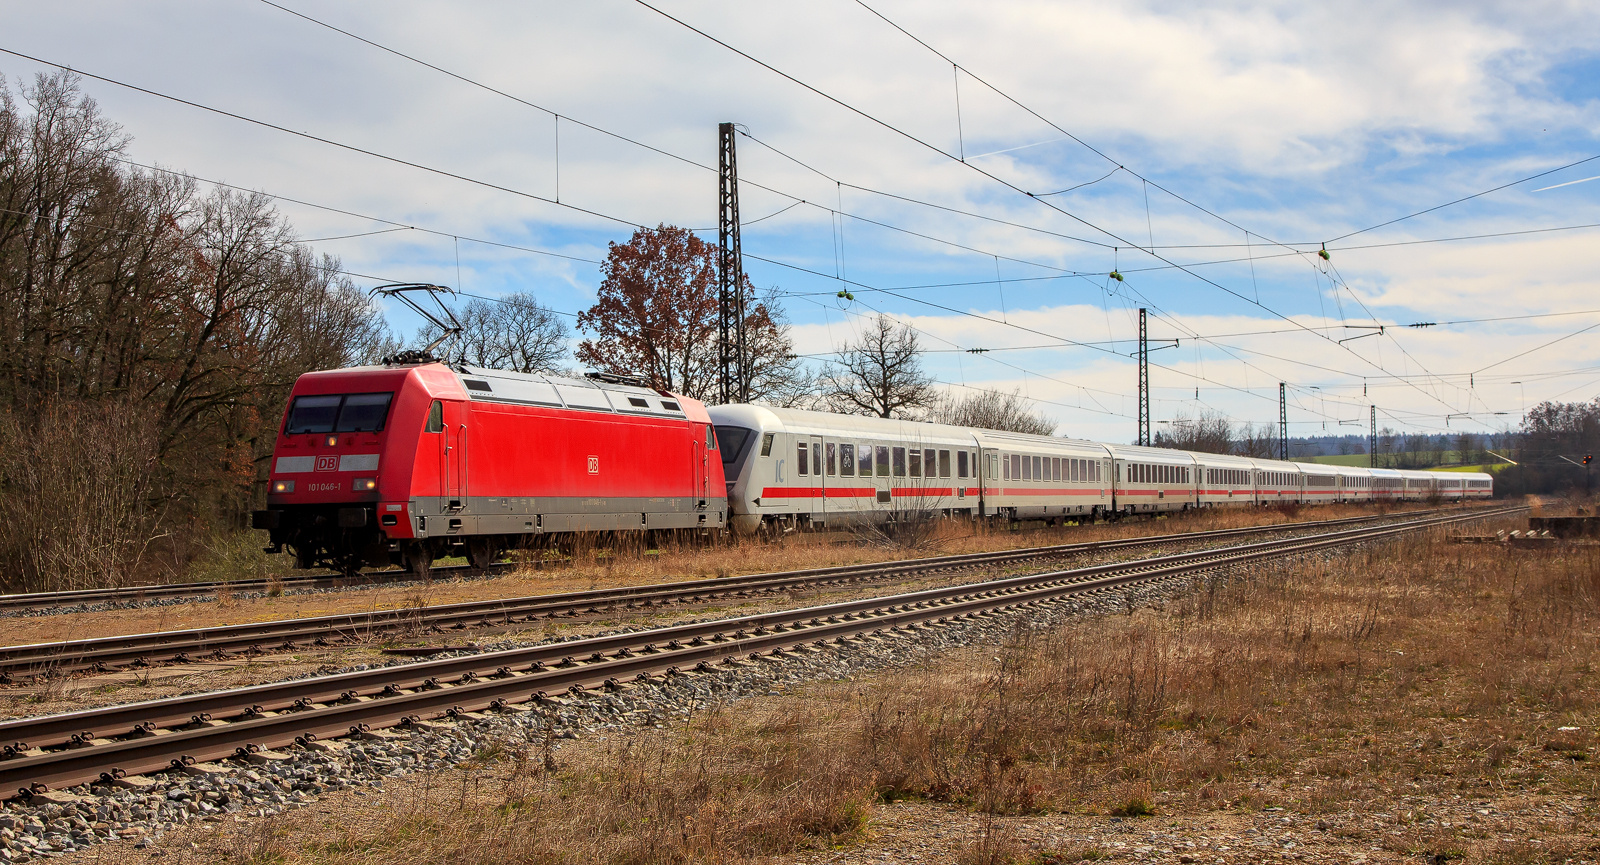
481	553
419	561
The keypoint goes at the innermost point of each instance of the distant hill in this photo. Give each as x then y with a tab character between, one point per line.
1362	461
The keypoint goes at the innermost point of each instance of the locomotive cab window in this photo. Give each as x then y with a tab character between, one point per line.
359	412
312	414
435	418
364	412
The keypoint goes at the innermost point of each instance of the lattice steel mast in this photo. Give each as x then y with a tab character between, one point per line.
733	378
1144	381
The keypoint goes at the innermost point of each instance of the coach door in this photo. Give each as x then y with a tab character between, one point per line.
986	471
819	481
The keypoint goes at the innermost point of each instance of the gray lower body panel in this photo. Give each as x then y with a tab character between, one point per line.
516	515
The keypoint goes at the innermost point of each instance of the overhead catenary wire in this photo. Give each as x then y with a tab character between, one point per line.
1465	198
1008	184
378	155
956	68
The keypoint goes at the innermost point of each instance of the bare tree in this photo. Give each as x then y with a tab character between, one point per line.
1209	433
880	374
1259	441
1386	446
992	409
512	332
151	335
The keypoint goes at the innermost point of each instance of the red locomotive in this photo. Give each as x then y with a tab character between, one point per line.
405	463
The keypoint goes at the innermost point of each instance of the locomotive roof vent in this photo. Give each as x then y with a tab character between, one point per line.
619	378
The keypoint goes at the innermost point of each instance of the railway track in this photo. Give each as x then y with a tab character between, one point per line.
39	601
30	601
106	745
221	642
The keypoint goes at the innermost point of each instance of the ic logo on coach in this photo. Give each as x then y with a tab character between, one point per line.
328	463
594	465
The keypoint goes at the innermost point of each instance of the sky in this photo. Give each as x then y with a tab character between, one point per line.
976	170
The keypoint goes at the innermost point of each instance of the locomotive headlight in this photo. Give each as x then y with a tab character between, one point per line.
365	484
332	441
283	486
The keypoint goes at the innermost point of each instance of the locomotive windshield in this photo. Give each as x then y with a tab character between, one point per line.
356	412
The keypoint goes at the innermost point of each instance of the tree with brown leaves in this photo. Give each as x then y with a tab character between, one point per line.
656	316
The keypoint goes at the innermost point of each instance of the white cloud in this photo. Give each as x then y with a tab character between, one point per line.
1299	121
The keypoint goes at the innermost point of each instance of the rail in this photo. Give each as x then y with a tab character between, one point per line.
106	744
223	641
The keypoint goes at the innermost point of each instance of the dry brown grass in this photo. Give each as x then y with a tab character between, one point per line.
597	567
1364	683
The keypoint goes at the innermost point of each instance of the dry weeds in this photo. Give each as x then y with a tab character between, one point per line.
1406	683
593	567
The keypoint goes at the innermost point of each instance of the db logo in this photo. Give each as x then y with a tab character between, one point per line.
328	463
594	465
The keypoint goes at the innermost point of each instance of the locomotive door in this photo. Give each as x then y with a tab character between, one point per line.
453	459
701	467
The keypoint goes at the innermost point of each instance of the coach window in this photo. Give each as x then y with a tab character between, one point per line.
899	462
435	417
833	459
961	464
1055	468
882	457
944	464
864	453
800	460
816	459
1027	467
915	458
930	463
1038	469
847	460
1005	466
